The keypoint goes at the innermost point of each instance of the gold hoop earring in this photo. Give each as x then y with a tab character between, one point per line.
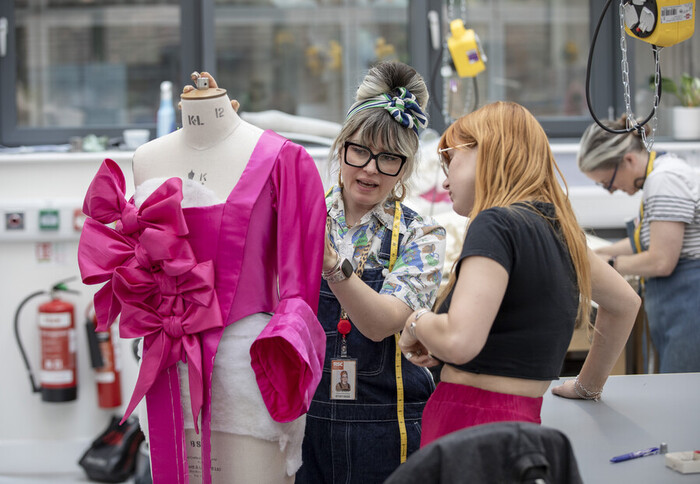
394	195
340	180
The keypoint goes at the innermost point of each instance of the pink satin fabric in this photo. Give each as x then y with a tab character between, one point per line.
178	276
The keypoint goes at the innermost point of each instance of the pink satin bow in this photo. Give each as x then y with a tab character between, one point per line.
152	277
169	312
105	201
102	249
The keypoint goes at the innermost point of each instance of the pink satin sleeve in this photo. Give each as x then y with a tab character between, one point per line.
288	355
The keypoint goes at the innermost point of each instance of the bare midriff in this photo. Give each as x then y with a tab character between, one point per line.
494	383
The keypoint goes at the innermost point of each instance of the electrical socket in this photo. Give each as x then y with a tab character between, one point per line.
14	221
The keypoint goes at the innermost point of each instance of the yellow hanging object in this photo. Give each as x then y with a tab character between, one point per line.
465	49
660	22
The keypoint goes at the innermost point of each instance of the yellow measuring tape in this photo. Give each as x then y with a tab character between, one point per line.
397	361
638	228
397	365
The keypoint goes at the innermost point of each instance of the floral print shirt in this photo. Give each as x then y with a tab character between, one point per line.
416	275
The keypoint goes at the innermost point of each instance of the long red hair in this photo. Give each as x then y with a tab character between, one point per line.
515	164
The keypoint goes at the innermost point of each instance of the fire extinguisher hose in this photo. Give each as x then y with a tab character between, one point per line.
35	387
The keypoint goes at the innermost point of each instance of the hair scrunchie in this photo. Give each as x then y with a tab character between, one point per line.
403	109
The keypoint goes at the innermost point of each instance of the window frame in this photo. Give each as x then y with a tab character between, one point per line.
605	70
198	49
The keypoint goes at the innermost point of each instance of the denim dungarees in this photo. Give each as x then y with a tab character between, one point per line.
358	441
671	304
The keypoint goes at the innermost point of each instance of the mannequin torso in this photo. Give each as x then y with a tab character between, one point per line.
212	148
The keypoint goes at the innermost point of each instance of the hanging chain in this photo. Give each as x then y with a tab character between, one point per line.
446	70
451	9
625	70
655	120
631	122
451	82
446	73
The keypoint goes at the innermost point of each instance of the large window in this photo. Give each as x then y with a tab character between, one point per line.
536	54
74	67
305	58
77	67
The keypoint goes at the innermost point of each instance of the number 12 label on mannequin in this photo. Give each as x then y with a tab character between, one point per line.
195	120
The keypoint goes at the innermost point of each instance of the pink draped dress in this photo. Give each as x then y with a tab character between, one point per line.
179	276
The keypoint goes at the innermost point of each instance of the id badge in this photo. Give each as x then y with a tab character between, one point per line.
344	379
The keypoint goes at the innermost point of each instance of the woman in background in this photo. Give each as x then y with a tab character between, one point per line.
664	248
524	279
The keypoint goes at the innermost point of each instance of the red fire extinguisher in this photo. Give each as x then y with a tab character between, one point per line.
106	360
58	377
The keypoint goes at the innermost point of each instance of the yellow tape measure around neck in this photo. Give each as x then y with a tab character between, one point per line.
397	359
400	413
638	228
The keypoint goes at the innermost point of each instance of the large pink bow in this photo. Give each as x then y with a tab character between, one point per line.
148	236
168	312
152	277
105	201
100	252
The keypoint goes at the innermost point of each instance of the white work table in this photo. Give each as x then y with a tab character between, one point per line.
635	412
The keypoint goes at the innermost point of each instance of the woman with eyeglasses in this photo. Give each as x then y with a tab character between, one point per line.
382	261
525	277
664	248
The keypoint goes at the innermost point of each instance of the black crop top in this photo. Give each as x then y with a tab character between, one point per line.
533	328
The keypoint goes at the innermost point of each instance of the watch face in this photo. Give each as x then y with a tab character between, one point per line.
346	267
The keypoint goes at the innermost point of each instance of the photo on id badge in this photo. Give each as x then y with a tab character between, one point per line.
343	379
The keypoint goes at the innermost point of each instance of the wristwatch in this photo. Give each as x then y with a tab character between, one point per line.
346	268
339	273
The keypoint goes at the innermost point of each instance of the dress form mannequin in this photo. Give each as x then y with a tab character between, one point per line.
212	149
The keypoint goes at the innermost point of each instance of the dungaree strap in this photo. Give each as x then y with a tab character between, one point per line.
400	414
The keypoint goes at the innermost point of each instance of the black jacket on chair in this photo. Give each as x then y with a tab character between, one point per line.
495	453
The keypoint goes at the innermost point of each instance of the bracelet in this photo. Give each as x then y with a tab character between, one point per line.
412	326
585	394
335	269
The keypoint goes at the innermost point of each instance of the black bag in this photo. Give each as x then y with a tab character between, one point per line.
112	456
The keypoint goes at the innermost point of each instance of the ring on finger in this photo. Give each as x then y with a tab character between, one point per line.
409	355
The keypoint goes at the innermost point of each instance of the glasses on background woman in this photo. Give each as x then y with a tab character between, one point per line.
608	186
445	160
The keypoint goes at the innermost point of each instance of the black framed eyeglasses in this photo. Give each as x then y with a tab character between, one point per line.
359	156
444	160
608	186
